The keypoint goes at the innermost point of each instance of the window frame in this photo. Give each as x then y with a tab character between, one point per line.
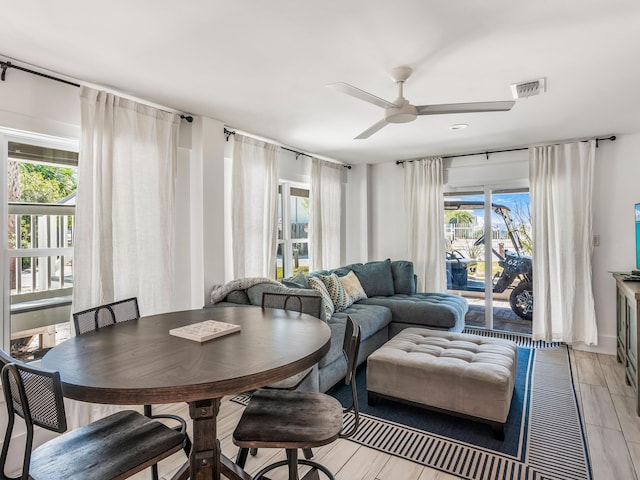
284	187
10	135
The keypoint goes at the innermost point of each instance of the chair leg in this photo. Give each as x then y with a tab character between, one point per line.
241	458
187	445
308	453
154	468
292	460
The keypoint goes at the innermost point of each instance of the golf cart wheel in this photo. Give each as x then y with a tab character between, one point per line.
521	300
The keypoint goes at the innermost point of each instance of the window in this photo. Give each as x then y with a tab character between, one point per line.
40	190
292	255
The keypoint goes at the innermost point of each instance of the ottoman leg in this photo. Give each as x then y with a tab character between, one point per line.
372	398
498	430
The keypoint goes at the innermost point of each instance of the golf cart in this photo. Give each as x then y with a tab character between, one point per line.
516	267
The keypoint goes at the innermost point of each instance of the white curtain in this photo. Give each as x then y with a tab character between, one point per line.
424	201
124	230
325	216
561	178
124	238
254	207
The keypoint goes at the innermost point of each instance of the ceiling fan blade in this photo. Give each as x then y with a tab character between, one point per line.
372	129
361	94
465	107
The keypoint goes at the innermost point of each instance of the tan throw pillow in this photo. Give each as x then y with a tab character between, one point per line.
352	287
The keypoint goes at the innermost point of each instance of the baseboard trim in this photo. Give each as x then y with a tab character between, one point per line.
606	345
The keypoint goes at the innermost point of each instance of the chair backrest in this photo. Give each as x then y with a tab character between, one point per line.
310	304
350	349
103	315
35	394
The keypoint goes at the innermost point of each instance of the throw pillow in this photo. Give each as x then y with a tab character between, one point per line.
376	278
403	282
352	287
327	303
336	291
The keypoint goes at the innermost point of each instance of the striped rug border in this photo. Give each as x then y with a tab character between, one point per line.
520	339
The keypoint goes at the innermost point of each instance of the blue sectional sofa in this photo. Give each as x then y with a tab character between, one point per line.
392	304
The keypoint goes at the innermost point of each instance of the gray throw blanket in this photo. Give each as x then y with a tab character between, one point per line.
219	292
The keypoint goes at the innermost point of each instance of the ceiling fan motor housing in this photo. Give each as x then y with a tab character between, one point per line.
403	114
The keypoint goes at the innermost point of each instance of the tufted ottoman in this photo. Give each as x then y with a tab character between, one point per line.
464	374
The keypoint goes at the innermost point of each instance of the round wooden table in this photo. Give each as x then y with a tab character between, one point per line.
138	362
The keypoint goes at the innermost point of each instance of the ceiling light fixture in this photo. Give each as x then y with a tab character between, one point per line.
459	126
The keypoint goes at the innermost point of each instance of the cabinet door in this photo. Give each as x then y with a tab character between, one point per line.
621	321
632	345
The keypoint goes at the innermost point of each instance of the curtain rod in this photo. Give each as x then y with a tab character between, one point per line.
487	153
6	65
228	133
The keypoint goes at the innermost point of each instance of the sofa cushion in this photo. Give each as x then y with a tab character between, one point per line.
370	318
255	293
352	287
336	291
403	282
342	271
375	277
316	283
434	310
238	296
297	281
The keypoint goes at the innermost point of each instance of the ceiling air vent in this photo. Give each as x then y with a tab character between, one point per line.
528	89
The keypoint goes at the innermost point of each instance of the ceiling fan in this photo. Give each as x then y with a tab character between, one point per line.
401	111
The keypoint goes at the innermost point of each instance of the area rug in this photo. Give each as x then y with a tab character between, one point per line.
544	434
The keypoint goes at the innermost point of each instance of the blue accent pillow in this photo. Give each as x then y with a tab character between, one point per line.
376	278
403	282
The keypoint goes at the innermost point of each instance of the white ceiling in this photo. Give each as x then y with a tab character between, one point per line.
263	66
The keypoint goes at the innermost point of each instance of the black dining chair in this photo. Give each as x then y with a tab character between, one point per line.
117	312
309	304
108	314
293	420
117	446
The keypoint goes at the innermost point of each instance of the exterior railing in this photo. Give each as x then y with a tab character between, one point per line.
41	269
40	249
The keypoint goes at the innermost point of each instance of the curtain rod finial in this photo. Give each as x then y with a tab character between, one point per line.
4	66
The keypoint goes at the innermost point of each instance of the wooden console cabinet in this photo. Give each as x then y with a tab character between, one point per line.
627	308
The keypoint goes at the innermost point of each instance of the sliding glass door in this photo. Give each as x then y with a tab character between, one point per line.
488	237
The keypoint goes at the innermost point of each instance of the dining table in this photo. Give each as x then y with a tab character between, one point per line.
138	362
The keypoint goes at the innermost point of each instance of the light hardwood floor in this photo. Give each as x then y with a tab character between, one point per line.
607	405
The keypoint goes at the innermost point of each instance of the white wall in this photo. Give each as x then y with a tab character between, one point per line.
616	190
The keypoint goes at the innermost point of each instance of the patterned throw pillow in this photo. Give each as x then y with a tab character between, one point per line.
327	303
336	291
352	287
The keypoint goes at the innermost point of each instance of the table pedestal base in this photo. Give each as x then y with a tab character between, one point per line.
206	460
